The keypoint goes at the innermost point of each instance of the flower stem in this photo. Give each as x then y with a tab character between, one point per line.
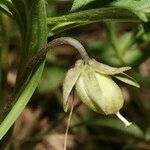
33	62
68	123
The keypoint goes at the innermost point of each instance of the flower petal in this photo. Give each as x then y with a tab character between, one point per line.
99	92
111	94
69	82
105	69
88	90
127	79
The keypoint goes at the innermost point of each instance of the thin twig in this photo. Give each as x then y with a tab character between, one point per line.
68	123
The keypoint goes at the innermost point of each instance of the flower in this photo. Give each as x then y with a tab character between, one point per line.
96	88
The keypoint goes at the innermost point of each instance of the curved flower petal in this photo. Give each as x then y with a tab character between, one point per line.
84	96
87	86
127	79
99	92
69	82
105	69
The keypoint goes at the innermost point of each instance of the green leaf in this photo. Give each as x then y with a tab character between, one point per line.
29	13
125	41
105	69
22	97
127	79
22	100
89	4
11	10
62	23
21	11
139	7
115	124
135	56
78	4
134	5
69	82
4	8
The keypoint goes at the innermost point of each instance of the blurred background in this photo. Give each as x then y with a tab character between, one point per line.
42	124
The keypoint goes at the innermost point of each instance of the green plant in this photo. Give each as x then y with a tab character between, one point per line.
35	26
